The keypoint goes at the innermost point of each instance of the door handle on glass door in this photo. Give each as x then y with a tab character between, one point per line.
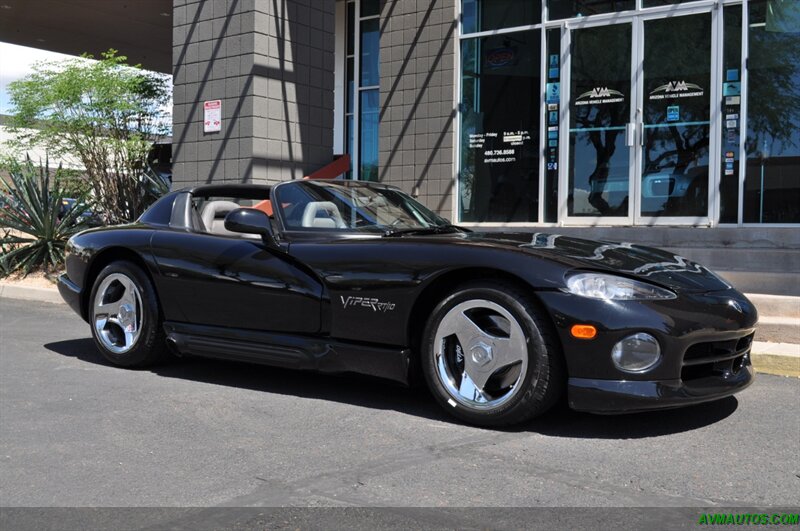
640	125
630	134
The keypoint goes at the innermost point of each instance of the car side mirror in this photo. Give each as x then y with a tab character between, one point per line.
251	221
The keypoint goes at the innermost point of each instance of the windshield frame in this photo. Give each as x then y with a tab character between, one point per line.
375	230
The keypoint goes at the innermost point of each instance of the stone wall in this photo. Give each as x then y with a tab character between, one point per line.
271	63
418	103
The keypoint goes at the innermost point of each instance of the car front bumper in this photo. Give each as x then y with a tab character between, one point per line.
71	293
705	341
627	396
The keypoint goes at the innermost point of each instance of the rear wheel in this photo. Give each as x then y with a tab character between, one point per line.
490	357
125	318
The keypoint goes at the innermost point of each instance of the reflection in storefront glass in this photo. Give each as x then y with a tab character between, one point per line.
499	170
557	9
676	116
484	15
772	182
600	94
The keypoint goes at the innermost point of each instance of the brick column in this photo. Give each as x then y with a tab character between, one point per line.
271	64
418	100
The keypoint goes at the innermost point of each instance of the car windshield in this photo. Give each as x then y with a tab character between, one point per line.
351	205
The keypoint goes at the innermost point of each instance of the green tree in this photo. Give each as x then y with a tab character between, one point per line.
107	113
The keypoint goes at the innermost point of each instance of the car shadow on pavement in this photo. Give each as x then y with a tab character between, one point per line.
379	394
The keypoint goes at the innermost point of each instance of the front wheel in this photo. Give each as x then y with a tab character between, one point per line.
124	316
490	356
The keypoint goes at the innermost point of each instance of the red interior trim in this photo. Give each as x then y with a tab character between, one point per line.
340	165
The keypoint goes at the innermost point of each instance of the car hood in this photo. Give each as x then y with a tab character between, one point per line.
654	265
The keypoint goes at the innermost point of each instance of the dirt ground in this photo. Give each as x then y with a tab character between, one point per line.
34	280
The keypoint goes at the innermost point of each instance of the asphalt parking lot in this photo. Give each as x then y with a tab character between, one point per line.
75	431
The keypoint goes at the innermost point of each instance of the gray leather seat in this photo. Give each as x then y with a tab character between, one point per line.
213	217
322	215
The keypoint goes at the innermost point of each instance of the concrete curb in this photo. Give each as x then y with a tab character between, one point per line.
781	305
28	293
782	359
772	358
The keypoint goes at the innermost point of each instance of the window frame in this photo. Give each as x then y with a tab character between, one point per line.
341	112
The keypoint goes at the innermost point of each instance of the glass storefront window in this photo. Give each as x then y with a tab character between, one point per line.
655	3
731	115
499	170
772	181
553	114
370	7
370	52
351	85
368	148
350	81
557	9
484	15
639	134
362	77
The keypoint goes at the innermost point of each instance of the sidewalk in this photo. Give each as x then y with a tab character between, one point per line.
768	357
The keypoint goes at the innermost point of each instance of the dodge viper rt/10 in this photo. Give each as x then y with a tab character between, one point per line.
342	276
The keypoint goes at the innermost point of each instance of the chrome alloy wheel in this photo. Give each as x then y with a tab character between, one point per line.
117	313
481	354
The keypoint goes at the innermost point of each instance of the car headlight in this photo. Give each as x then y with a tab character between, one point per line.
614	288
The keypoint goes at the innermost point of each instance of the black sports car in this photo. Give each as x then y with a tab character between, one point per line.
344	276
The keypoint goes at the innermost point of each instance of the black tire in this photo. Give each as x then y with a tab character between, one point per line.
150	347
544	381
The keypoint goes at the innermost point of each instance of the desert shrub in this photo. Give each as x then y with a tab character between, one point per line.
34	229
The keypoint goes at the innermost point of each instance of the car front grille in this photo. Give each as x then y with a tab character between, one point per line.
716	358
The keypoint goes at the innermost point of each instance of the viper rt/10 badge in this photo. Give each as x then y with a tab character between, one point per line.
366	302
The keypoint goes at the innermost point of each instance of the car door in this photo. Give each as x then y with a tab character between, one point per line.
235	282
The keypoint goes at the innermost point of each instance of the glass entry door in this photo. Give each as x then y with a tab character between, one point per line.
638	108
676	122
600	94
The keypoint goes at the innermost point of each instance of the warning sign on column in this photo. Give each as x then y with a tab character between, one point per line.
212	116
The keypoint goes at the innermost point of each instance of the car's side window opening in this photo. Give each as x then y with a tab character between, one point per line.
208	214
334	206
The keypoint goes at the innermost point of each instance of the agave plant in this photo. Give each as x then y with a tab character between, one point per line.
35	232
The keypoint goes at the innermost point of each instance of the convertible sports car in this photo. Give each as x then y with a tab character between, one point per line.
343	276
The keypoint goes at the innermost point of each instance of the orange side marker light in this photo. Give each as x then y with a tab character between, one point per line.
583	331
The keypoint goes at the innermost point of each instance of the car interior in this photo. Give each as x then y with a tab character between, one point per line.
303	207
208	214
213	216
307	208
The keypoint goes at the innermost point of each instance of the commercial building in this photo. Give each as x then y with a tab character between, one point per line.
669	122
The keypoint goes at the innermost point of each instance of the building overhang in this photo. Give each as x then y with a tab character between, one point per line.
139	29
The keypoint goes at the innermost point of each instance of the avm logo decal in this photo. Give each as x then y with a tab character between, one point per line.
600	96
600	92
676	89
